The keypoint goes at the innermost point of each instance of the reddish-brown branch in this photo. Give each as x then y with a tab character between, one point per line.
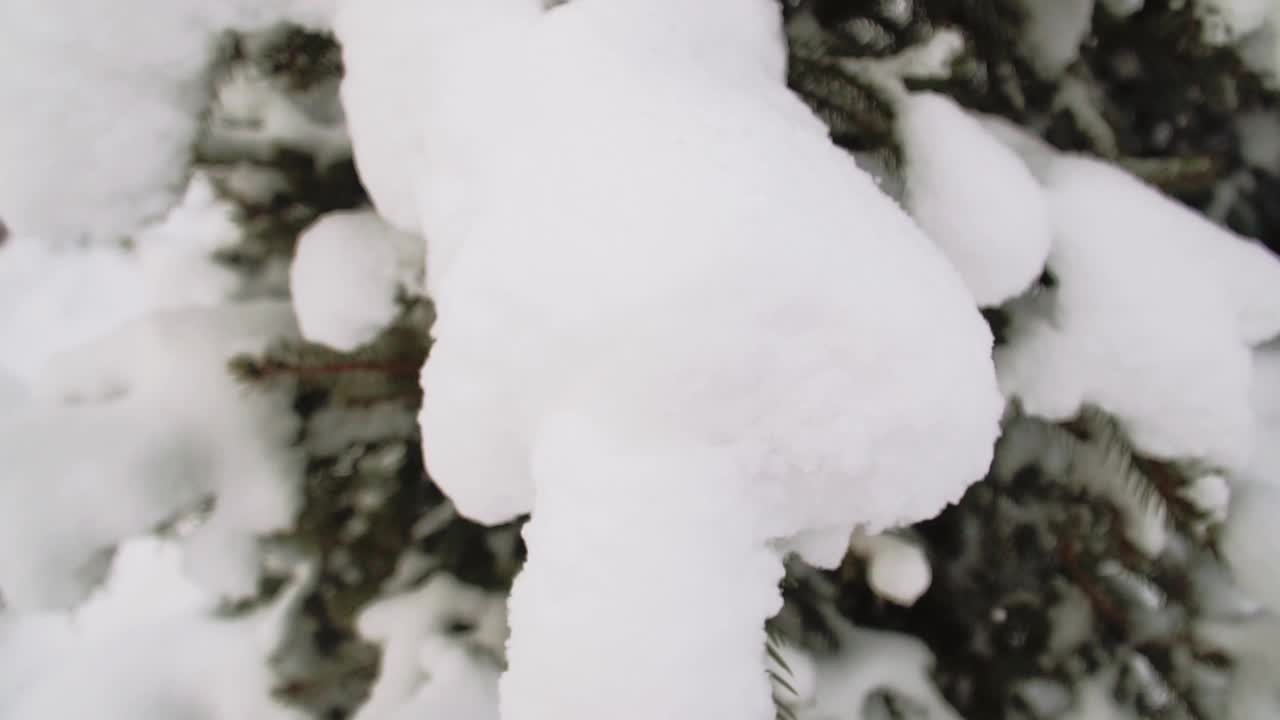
268	368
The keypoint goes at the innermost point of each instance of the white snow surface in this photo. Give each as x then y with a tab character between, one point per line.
425	671
102	106
1053	32
974	197
871	661
158	426
1250	538
663	296
1224	21
177	255
145	647
898	569
54	298
1153	318
346	276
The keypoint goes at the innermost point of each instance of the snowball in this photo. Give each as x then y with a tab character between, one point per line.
1152	319
157	426
1053	32
994	230
345	278
898	569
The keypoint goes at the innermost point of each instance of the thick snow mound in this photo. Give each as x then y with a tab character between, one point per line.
974	197
1152	319
346	277
157	427
662	294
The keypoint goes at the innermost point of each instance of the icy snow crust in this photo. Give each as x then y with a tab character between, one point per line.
664	299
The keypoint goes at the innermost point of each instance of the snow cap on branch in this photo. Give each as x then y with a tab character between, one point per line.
974	197
1152	317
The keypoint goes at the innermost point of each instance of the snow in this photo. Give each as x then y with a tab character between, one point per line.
1095	701
177	255
333	428
145	647
1090	465
427	671
158	426
1250	540
55	298
897	568
1164	347
660	343
1261	49
1259	134
996	231
255	117
73	164
346	276
1053	32
1123	8
872	661
1225	21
